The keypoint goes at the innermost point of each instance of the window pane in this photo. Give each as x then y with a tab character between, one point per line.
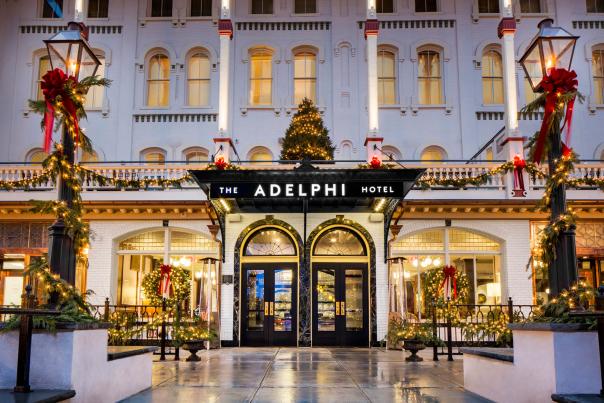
598	75
262	6
433	240
255	299
270	242
305	6
339	242
161	8
304	77
432	153
155	157
131	271
470	241
595	6
530	6
158	91
196	156
201	8
488	6
143	242
283	300
384	6
98	8
424	6
326	297
43	67
261	80
492	78
386	78
52	9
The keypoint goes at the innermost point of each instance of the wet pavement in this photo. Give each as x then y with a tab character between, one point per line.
306	375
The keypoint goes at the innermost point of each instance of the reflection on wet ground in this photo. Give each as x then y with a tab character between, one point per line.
306	375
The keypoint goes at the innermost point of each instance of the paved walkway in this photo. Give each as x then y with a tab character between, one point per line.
306	375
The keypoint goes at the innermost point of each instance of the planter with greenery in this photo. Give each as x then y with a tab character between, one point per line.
414	336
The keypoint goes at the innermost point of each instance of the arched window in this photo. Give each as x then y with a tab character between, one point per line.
488	6
429	76
346	150
43	68
597	67
339	242
305	76
260	154
158	80
91	156
36	156
386	64
94	97
492	77
196	154
433	153
391	153
198	79
261	77
270	241
153	155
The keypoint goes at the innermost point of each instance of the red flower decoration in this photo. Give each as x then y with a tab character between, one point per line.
221	163
375	162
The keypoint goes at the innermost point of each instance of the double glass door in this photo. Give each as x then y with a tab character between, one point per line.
340	305
269	305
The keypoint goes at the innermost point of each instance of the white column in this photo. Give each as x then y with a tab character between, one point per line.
225	31
371	35
78	15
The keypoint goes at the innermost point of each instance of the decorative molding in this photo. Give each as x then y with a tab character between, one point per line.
594	24
284	26
412	24
499	115
53	29
175	117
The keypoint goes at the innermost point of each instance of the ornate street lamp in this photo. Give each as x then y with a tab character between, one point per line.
68	50
553	48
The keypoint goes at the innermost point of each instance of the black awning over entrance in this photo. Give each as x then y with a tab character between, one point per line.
326	190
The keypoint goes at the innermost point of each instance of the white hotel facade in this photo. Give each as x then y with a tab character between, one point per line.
433	83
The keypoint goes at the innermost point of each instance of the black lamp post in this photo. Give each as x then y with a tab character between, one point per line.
68	50
553	47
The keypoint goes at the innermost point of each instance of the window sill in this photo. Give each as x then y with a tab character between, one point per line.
390	106
198	108
100	19
155	108
304	14
158	18
534	15
493	107
199	18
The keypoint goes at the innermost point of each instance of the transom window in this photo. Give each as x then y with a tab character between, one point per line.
154	156
595	6
270	241
386	64
597	65
158	81
339	242
426	6
52	9
305	6
433	153
198	80
305	76
262	6
200	8
161	8
260	154
261	78
37	155
429	77
530	6
196	155
492	77
488	6
384	6
98	8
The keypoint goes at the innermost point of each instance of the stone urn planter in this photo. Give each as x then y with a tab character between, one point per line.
413	346
193	346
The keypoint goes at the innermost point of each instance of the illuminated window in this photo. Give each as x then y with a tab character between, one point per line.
433	153
262	6
37	155
492	77
386	64
158	81
260	154
305	6
530	6
43	68
52	9
429	77
196	154
154	156
161	8
339	242
426	6
305	76
201	8
89	156
261	77
488	6
98	8
595	6
270	242
94	97
198	80
384	6
597	66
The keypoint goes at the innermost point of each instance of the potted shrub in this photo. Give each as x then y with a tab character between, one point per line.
415	336
191	337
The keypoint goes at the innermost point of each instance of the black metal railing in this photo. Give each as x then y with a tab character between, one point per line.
471	325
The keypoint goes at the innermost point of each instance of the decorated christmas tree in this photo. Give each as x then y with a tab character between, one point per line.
307	138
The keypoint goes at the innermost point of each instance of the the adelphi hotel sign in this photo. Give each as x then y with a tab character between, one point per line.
301	190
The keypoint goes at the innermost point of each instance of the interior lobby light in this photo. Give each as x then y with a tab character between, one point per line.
436	262
415	262
406	274
198	275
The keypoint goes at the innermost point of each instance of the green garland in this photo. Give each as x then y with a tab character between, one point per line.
181	286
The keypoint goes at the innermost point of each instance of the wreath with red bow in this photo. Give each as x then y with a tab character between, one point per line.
178	286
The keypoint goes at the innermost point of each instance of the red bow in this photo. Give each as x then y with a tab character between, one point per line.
56	86
450	280
519	166
164	282
221	163
375	162
555	84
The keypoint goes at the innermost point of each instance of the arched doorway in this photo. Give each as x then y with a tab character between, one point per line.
340	276
269	287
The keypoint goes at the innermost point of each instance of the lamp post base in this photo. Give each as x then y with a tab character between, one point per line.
61	256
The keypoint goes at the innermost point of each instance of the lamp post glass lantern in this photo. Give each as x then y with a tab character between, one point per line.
68	50
553	47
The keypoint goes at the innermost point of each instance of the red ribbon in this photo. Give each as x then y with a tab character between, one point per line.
450	278
557	83
56	84
164	282
221	163
375	162
519	166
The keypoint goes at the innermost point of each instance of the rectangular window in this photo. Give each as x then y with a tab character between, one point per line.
530	6
158	81
262	6
261	79
488	6
161	8
52	9
386	78
492	78
198	79
597	66
43	68
305	6
595	6
429	78
305	77
426	6
384	6
201	8
94	97
98	8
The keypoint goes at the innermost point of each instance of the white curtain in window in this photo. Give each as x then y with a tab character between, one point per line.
261	79
492	78
305	77
198	80
158	81
386	78
429	78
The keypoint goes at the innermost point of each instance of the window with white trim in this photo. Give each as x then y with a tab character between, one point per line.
429	77
305	6
196	154
262	6
261	77
198	79
260	154
530	6
51	9
154	155
200	8
488	6
384	6
305	76
386	70
595	6
433	153
492	77
94	97
98	8
160	8
158	80
597	67
426	6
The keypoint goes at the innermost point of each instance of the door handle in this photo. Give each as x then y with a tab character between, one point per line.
343	308
272	308
337	308
266	309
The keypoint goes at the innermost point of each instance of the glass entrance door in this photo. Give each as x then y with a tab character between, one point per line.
269	305
340	305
